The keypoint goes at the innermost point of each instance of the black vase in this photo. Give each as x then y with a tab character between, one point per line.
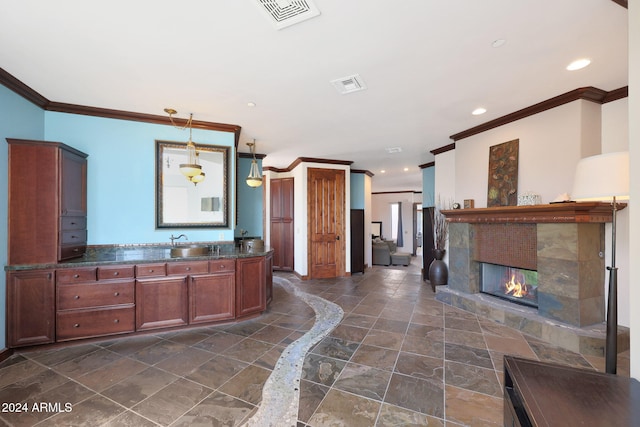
438	272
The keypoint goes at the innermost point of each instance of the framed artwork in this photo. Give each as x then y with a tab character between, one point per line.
503	174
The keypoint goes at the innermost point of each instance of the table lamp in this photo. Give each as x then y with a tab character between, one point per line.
605	177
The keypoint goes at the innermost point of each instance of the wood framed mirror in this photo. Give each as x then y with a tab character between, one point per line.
376	229
181	203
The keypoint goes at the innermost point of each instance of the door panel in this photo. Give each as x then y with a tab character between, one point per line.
325	188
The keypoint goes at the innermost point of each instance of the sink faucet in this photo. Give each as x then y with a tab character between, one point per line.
173	239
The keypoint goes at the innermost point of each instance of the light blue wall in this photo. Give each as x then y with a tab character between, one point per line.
121	175
250	202
357	191
18	119
428	186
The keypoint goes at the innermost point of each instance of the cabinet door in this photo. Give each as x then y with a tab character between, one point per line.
212	297
269	276
161	302
73	184
250	286
30	307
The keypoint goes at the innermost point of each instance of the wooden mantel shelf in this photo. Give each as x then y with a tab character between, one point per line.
576	212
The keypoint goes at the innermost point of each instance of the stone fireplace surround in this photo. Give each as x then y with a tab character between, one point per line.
564	242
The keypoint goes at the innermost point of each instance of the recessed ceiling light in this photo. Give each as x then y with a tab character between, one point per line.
498	43
251	104
406	169
382	171
393	150
478	111
578	64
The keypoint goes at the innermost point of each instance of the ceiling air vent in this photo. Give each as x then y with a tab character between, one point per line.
283	13
349	84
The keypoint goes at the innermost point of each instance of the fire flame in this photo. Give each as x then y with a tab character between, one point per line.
516	289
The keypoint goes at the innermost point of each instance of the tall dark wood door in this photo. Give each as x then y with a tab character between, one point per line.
326	193
281	198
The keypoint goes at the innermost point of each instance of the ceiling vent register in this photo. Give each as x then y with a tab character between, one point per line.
349	84
283	13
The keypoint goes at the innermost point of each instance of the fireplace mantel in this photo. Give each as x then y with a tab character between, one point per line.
568	212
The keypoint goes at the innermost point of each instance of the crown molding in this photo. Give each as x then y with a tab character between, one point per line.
623	3
397	192
366	172
592	94
34	97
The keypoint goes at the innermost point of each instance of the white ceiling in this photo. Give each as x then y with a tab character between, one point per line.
427	64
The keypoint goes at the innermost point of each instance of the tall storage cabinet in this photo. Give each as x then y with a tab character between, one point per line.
281	198
47	202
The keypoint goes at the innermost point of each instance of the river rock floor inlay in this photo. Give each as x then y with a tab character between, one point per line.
281	392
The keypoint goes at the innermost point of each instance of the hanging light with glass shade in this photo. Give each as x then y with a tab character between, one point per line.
255	177
191	169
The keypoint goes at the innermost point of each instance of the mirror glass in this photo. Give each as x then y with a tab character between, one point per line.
376	229
181	203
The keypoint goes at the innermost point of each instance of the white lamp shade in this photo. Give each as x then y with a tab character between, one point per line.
602	177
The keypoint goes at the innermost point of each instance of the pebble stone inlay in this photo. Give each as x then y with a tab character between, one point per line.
281	392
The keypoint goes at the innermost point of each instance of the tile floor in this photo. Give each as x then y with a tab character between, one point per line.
397	358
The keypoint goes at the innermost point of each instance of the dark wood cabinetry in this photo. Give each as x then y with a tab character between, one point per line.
212	296
93	302
357	240
30	307
281	214
47	202
64	304
250	296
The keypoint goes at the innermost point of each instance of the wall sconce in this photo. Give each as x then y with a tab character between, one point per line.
255	177
192	169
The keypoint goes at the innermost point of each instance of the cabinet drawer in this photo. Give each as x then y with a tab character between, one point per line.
76	275
95	295
193	267
221	265
73	237
92	323
116	272
73	223
150	270
71	251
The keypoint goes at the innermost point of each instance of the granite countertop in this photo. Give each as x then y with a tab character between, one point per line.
141	254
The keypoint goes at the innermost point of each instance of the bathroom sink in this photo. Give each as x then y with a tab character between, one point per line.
184	251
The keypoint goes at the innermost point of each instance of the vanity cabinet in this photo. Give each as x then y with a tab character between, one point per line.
93	302
212	297
72	302
30	307
47	202
161	301
251	289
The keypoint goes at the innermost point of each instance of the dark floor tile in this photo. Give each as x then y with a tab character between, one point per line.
219	342
469	355
129	419
336	348
343	409
19	372
92	412
473	378
469	408
136	388
419	366
217	410
349	333
424	396
86	363
185	361
248	350
158	352
395	416
321	369
311	394
272	334
363	380
247	384
216	371
377	357
168	404
112	373
129	345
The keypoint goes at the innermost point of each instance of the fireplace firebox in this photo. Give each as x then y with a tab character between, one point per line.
514	284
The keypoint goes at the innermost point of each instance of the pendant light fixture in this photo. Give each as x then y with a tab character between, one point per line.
255	177
191	169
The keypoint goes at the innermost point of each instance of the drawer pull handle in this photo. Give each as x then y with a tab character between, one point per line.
188	268
75	276
76	297
116	273
221	266
76	249
150	270
116	321
76	325
115	294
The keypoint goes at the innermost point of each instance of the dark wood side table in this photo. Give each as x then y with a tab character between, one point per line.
546	394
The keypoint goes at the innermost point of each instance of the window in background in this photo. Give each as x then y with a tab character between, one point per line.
394	221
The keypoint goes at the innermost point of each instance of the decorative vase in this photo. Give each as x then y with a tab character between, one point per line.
438	272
